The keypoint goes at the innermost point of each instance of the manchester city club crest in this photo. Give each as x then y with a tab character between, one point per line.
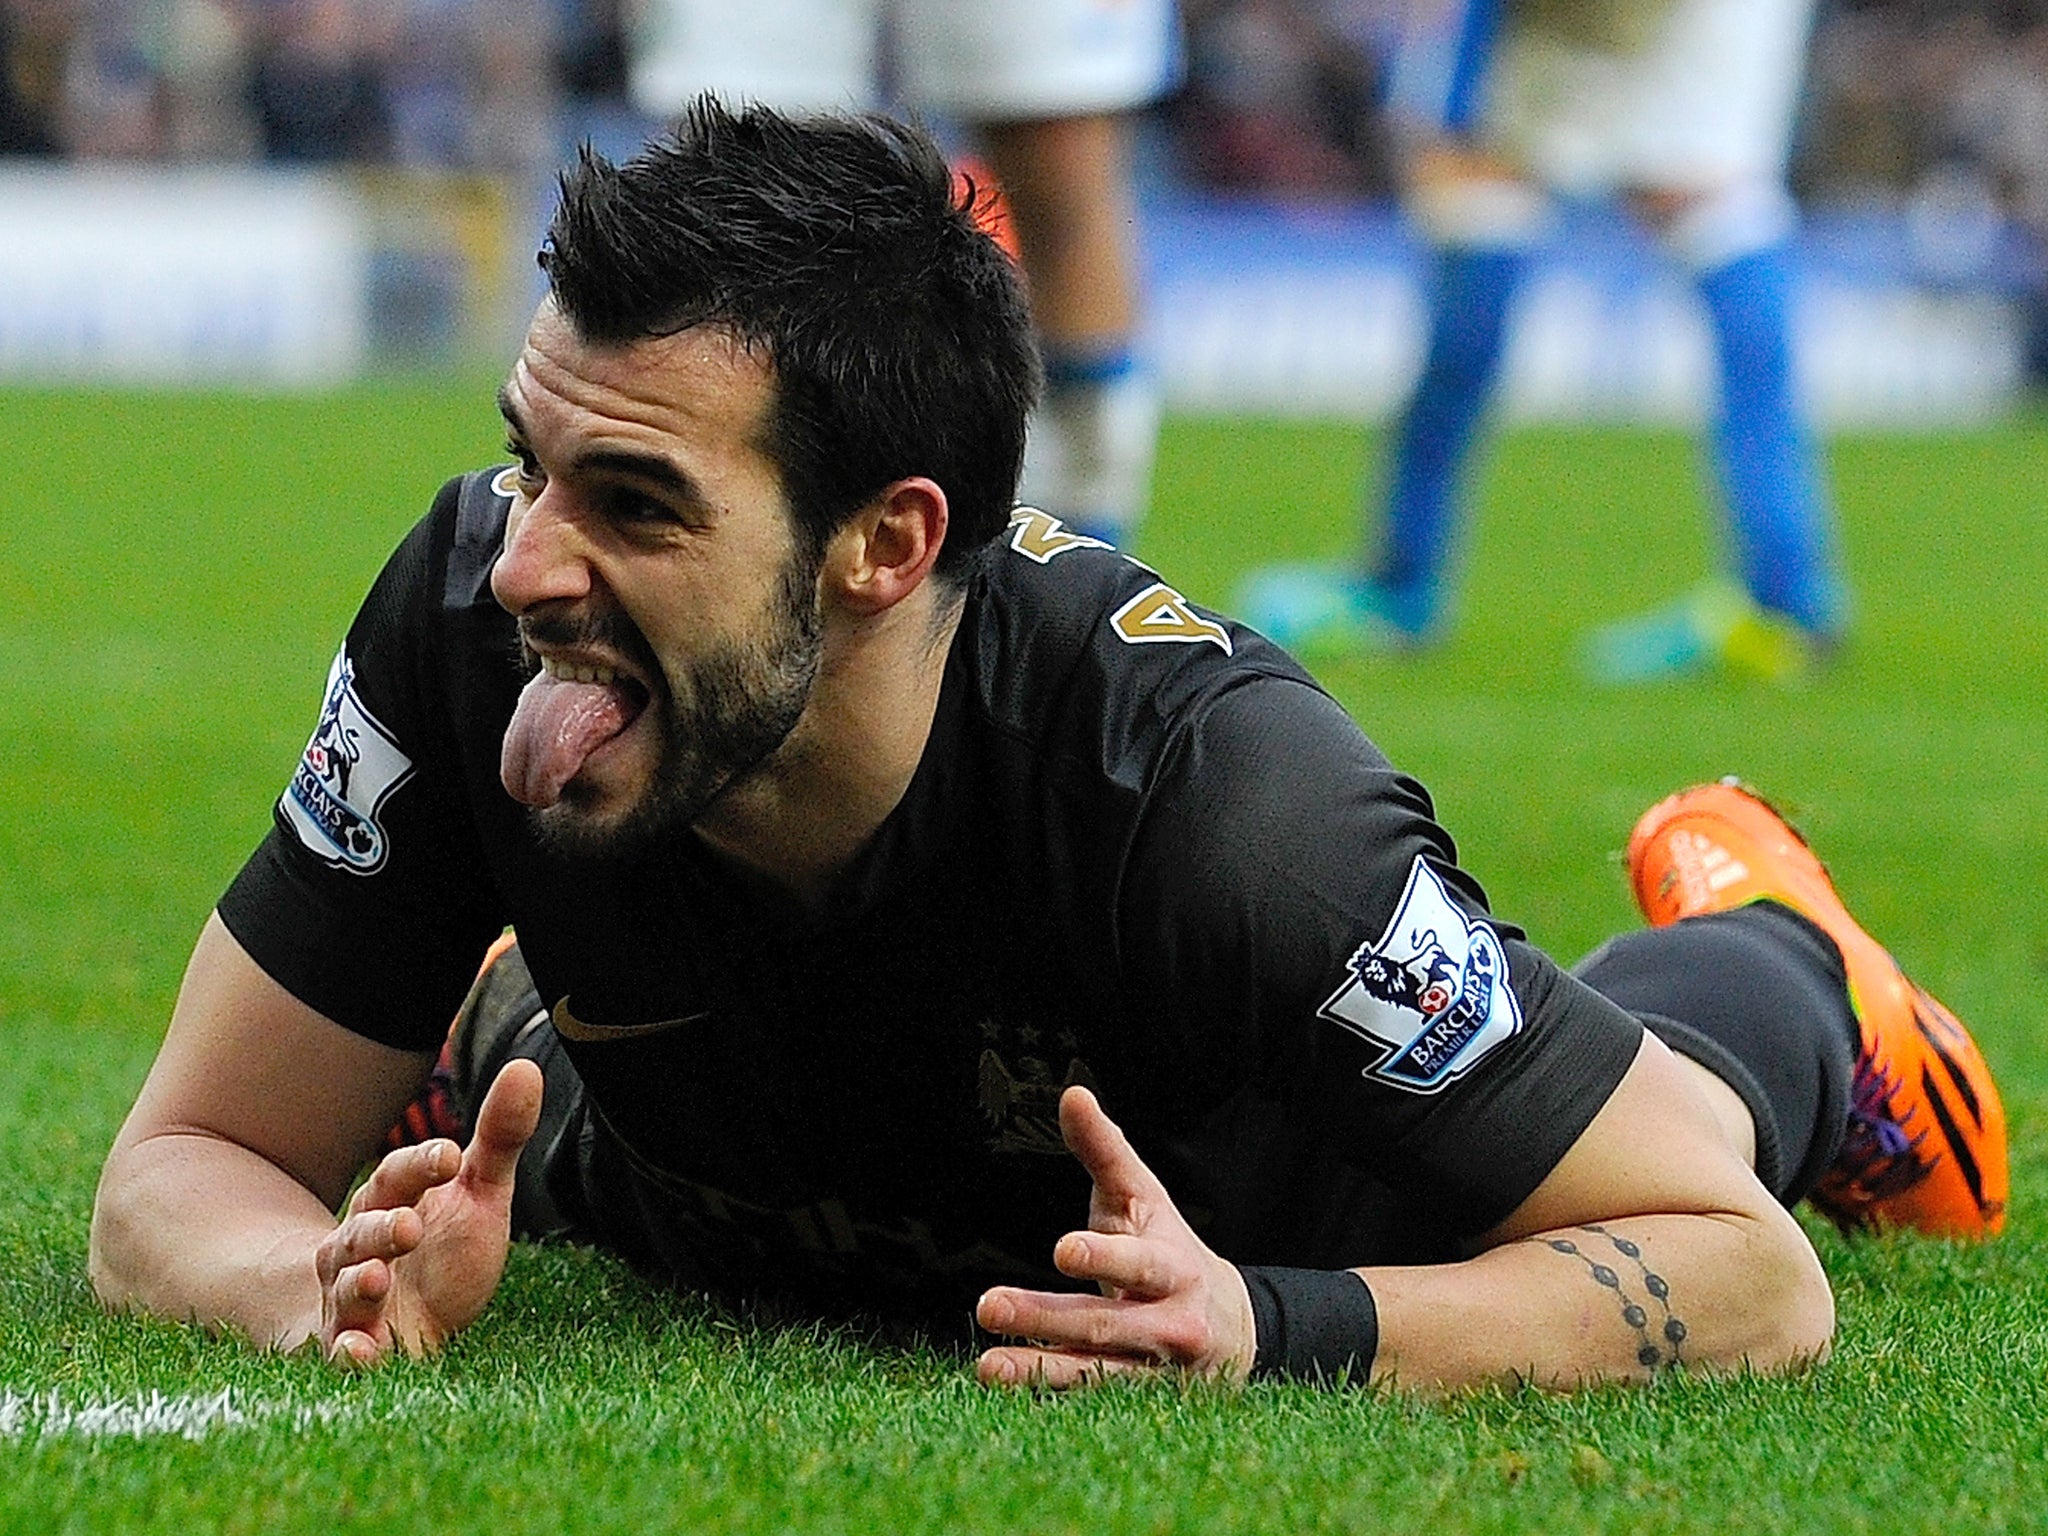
1432	990
349	770
1021	1101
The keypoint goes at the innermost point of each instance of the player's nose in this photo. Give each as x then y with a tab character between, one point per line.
543	558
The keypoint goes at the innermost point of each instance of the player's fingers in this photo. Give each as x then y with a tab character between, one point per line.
1102	1148
354	1349
401	1177
365	1235
368	1235
505	1122
1057	1370
1142	1267
1072	1320
356	1297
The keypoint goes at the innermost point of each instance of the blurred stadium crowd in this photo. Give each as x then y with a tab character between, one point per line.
468	84
1926	98
1903	96
1933	109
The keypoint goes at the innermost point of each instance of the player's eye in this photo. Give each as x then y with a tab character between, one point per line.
630	506
530	476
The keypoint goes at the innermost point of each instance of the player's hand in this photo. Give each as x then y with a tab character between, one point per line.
423	1243
1167	1301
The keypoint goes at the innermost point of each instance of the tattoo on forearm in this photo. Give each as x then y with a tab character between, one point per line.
1651	1351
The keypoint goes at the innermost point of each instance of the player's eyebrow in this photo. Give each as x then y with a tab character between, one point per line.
649	468
510	411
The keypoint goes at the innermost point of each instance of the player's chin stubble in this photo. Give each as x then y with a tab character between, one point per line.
725	716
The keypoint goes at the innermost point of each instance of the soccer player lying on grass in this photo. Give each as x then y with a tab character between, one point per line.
870	844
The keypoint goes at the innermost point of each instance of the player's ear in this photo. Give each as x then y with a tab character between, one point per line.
884	552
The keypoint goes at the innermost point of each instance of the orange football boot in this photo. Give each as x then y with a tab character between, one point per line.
1926	1141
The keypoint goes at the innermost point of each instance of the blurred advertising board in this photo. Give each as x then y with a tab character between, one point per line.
1319	310
248	277
269	278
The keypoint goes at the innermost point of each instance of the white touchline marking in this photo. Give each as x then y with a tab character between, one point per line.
141	1418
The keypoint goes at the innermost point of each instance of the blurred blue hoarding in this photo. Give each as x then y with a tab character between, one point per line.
271	278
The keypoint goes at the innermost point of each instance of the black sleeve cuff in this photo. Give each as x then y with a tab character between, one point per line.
1318	1325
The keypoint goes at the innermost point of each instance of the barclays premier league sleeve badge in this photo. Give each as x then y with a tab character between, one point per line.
1432	991
350	768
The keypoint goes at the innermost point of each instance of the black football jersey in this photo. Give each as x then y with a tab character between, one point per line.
1142	851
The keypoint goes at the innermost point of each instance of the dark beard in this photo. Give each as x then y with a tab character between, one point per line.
742	702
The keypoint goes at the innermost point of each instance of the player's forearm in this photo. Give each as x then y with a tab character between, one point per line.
1610	1301
192	1227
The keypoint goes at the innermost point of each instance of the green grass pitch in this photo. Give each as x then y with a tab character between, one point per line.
175	572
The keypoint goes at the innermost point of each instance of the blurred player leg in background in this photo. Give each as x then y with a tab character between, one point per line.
1046	87
1480	217
1789	605
1481	221
1686	105
1712	99
1069	187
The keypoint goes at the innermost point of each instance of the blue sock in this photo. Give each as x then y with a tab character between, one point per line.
1469	299
1769	467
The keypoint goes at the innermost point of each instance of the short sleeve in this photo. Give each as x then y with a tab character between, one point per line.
369	900
1294	909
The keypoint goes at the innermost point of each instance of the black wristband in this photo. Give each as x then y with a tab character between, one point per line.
1312	1324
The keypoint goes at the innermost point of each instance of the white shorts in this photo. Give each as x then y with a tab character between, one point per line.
1703	95
978	60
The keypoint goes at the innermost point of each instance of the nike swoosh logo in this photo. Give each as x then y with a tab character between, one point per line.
569	1027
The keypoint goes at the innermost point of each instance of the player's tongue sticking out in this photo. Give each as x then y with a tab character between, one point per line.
556	727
